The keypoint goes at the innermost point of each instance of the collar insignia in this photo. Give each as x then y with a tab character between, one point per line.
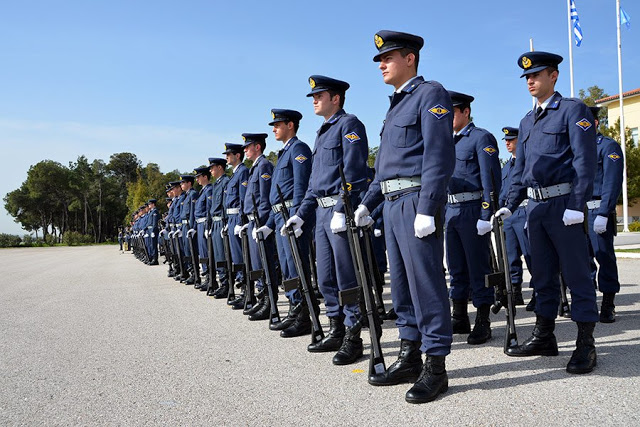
584	124
352	137
490	150
438	111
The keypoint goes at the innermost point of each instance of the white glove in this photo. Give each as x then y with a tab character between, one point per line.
153	235
600	224
424	225
264	230
483	227
338	223
377	232
244	227
295	222
206	233
361	216
146	235
503	213
572	217
237	229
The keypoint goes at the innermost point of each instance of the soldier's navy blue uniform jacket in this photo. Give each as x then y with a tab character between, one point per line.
608	182
217	195
152	221
203	202
259	187
291	174
407	154
565	138
341	140
174	211
477	166
236	188
188	208
507	174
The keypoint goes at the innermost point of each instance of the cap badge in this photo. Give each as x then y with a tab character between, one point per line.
312	83
378	41
526	62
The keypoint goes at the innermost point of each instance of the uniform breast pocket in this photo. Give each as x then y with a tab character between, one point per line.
465	162
552	138
332	153
404	130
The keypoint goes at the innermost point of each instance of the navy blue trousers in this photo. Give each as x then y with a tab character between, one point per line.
236	244
218	251
418	285
517	243
335	267
203	250
557	248
468	255
602	245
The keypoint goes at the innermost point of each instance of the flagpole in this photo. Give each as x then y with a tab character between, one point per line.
570	47
533	98
625	200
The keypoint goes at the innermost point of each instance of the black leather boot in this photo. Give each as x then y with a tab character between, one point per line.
542	341
351	348
532	303
404	370
517	294
294	309
238	303
432	382
583	359
301	326
263	313
221	292
482	329
257	306
460	318
608	308
390	315
333	340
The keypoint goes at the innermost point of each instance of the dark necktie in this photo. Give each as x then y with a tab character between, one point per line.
539	111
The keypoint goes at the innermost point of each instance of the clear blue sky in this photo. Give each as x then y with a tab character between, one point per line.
173	81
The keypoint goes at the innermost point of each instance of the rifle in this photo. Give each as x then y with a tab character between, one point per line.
211	266
564	310
317	334
178	246
274	315
249	276
502	279
194	259
376	359
375	276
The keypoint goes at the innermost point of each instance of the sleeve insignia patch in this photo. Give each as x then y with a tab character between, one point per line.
614	156
438	111
300	158
485	205
584	124
490	150
244	183
352	137
265	176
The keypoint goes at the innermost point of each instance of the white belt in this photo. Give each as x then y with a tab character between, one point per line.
233	211
216	218
594	204
524	203
328	201
398	184
278	206
201	220
544	193
185	221
464	197
251	217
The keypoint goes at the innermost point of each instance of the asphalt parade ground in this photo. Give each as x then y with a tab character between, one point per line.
89	336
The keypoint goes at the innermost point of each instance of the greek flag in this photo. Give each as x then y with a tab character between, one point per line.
624	18
577	31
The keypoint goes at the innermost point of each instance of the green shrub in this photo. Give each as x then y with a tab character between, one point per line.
634	226
9	240
73	238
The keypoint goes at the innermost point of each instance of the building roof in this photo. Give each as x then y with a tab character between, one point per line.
610	99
